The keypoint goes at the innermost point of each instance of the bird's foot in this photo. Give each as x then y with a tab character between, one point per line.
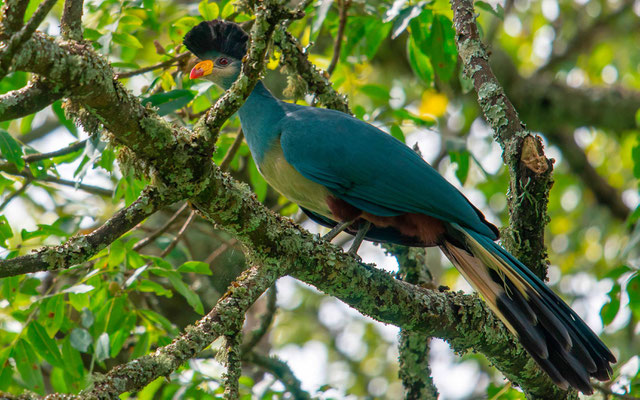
336	230
362	232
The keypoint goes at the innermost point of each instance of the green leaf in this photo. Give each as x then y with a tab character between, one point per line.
377	92
610	309
102	347
208	10
80	339
633	290
28	366
5	231
443	52
635	155
397	133
198	267
159	320
142	346
73	362
461	158
10	287
192	297
169	102
44	345
498	12
117	253
53	314
11	149
127	40
419	62
153	287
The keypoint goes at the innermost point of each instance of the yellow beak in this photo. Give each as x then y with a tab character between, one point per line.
201	69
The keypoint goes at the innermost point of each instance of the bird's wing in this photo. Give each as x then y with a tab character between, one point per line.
372	170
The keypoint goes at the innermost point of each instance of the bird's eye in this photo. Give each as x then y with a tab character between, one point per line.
223	61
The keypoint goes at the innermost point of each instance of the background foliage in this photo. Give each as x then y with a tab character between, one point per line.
398	66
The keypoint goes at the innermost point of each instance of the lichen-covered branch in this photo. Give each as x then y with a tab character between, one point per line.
71	21
38	94
414	370
12	17
79	249
529	169
297	62
233	362
16	40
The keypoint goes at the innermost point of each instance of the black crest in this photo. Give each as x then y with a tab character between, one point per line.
219	36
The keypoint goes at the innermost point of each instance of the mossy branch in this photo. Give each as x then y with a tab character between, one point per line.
529	169
79	249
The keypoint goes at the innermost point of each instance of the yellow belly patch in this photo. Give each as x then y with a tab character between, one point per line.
291	184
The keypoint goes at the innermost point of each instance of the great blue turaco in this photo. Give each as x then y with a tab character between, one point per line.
349	175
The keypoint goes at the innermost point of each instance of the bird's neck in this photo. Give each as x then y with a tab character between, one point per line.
259	116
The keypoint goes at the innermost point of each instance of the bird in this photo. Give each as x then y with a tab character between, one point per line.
350	176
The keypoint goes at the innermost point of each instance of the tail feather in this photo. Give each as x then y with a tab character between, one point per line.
558	340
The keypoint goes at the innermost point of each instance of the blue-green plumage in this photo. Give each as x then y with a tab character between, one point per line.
337	168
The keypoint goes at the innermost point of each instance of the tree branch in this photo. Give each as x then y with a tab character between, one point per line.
337	46
19	38
79	249
154	235
164	64
38	94
71	21
265	321
237	142
233	362
414	370
26	172
61	152
529	169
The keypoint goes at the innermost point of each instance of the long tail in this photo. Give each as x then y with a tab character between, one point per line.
557	339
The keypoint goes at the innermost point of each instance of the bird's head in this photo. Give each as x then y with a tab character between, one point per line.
220	45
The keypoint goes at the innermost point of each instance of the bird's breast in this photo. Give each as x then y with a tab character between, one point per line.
283	177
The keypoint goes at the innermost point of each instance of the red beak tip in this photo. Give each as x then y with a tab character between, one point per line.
195	73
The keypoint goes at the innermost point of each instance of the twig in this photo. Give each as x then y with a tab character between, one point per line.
163	64
221	249
49	125
337	46
78	249
149	239
38	94
6	55
180	234
12	17
61	152
71	21
224	165
233	362
281	371
265	321
15	194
